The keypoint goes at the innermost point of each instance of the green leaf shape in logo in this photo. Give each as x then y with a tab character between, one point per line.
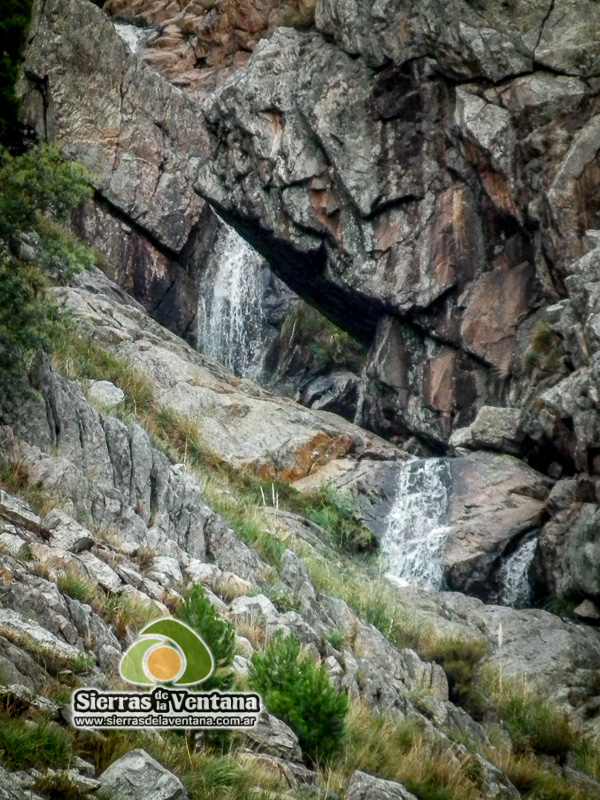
132	664
199	660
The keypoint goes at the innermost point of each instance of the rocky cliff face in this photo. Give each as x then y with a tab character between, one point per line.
427	198
426	185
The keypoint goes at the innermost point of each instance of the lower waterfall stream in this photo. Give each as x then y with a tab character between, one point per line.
418	527
514	575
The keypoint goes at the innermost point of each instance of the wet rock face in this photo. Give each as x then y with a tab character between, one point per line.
446	522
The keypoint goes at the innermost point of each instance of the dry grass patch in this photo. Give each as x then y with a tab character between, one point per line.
401	750
125	613
15	478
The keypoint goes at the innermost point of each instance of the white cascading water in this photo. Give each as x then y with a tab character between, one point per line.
133	36
413	543
514	575
232	321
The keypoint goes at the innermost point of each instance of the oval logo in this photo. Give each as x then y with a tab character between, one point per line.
167	651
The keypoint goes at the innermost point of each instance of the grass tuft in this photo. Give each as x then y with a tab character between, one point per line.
26	744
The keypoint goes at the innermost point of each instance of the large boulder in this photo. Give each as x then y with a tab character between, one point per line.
367	787
492	429
533	647
273	737
230	413
569	557
138	776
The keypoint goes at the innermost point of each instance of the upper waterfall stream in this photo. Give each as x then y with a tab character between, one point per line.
232	318
133	36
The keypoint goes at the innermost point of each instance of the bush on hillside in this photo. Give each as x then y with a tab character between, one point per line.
199	613
37	191
301	693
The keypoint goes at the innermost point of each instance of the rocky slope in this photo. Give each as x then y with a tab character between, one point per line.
134	529
426	179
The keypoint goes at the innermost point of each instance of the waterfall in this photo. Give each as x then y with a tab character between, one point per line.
232	320
413	543
133	36
514	575
360	402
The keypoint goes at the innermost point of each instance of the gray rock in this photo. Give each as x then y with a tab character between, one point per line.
20	695
272	736
577	568
17	512
367	787
287	772
106	394
38	641
587	612
10	788
536	647
257	606
431	678
67	534
494	784
295	575
166	571
492	429
138	776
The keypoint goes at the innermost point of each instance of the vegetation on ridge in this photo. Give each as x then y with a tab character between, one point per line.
37	191
300	692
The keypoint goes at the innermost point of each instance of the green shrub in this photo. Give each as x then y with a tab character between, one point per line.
37	190
338	514
301	693
77	587
534	723
460	659
24	745
200	614
338	639
327	345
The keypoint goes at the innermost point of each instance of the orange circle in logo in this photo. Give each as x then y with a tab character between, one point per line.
164	663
